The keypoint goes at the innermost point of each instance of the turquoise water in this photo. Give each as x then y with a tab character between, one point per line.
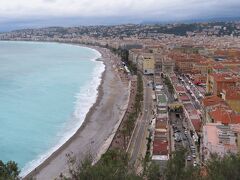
46	89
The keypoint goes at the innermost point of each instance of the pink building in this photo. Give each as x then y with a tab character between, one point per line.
219	139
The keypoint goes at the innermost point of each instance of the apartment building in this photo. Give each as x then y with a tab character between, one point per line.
219	139
146	63
216	82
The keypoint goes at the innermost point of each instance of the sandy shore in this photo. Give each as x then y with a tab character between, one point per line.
99	126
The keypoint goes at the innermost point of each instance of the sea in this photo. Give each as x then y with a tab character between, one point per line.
46	90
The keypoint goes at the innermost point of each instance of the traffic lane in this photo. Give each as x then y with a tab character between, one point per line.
193	100
146	117
195	86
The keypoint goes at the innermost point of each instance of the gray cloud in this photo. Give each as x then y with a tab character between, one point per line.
139	10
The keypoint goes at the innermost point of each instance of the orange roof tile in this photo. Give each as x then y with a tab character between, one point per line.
211	100
232	93
226	77
161	124
224	116
218	66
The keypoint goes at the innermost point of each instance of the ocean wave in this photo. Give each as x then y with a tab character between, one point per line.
84	101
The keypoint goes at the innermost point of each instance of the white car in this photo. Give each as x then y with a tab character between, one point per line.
192	147
194	163
189	158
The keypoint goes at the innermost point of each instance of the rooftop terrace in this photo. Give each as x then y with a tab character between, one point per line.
162	99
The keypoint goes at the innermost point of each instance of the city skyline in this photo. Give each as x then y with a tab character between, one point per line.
43	13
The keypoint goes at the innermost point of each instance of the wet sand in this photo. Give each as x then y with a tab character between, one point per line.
98	129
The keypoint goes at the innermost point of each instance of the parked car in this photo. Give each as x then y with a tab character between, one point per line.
193	147
189	158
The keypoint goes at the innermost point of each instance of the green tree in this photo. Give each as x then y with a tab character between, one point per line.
175	166
9	171
169	84
114	165
124	133
152	172
176	169
219	168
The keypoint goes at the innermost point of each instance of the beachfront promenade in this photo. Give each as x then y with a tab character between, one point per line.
137	145
98	127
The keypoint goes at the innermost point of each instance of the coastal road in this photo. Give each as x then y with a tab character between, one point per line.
138	143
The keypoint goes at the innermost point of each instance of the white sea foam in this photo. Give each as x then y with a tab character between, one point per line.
84	101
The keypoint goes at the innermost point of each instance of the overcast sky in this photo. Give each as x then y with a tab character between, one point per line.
27	13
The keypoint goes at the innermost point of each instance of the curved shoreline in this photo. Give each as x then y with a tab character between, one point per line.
69	141
61	147
68	135
101	97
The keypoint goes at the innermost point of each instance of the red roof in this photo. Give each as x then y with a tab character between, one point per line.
218	66
211	100
184	97
180	88
232	93
197	124
224	116
235	69
160	147
224	77
161	124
